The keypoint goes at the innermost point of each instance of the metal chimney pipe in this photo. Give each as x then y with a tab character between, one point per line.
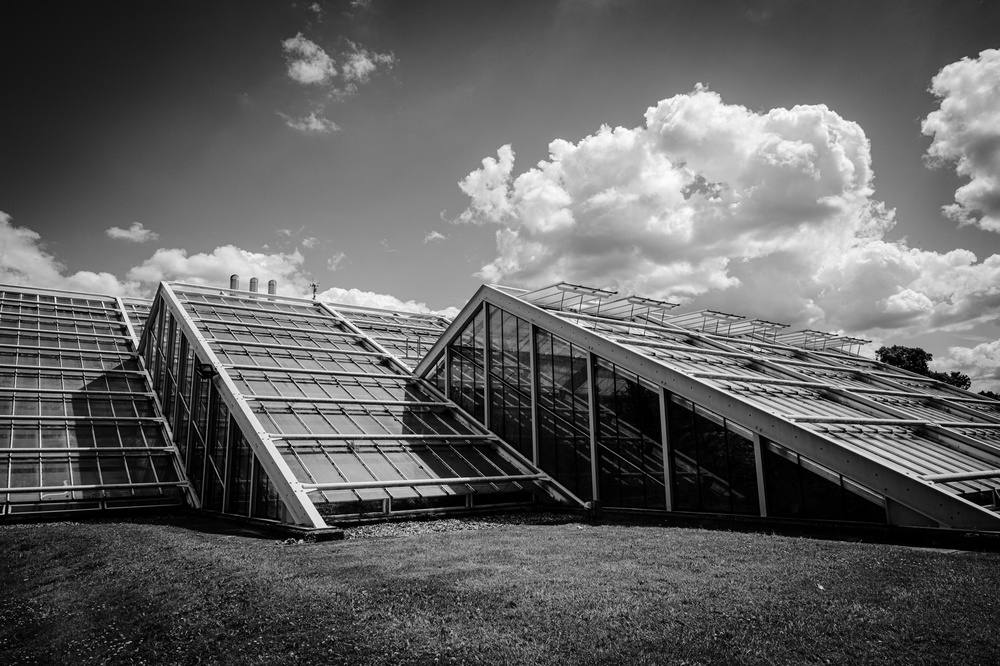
253	284
272	287
234	281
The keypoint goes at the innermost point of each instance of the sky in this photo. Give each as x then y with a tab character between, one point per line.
828	165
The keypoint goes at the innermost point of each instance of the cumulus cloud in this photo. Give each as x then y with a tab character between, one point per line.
134	234
307	62
374	300
965	131
311	124
215	268
24	261
764	213
981	363
360	63
434	236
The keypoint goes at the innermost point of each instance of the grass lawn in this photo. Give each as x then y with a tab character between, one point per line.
156	591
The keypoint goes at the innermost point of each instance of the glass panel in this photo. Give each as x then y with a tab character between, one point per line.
800	488
631	454
714	465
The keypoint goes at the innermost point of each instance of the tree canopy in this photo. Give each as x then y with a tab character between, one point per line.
915	360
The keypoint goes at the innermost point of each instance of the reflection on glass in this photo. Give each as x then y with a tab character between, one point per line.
797	487
563	413
714	468
629	440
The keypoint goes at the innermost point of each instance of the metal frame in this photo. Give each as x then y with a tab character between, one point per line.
298	505
916	494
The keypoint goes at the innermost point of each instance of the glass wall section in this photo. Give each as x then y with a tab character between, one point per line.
563	413
797	487
240	471
629	439
214	453
217	451
510	380
466	372
78	425
714	468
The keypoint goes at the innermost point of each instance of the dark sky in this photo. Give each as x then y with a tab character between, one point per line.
178	116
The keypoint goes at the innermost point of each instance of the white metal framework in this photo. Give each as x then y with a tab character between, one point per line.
295	410
796	404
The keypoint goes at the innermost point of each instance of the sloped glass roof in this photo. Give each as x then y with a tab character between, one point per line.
79	428
330	405
919	431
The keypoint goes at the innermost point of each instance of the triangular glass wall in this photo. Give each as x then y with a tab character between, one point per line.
295	410
631	407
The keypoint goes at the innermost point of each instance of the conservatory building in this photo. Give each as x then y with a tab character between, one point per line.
311	414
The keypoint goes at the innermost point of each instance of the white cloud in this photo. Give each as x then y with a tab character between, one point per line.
434	236
766	214
134	234
374	300
311	124
215	268
333	263
310	242
488	188
316	9
307	62
965	130
981	363
24	261
361	63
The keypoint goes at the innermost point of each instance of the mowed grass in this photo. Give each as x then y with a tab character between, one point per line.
158	592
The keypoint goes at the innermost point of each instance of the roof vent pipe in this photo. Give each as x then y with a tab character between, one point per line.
272	287
234	281
253	284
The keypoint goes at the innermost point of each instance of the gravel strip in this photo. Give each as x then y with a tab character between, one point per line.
414	527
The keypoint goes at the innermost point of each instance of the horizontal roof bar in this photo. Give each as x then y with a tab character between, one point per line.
102	486
98	352
349	401
49	333
368	324
74	392
74	307
64	370
808	418
84	419
334	330
364	436
760	380
247	308
403	483
267	345
311	371
62	451
961	476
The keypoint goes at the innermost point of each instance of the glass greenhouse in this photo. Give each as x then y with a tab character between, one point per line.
309	413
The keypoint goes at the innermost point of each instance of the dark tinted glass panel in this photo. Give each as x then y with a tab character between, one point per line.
714	465
629	440
799	488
